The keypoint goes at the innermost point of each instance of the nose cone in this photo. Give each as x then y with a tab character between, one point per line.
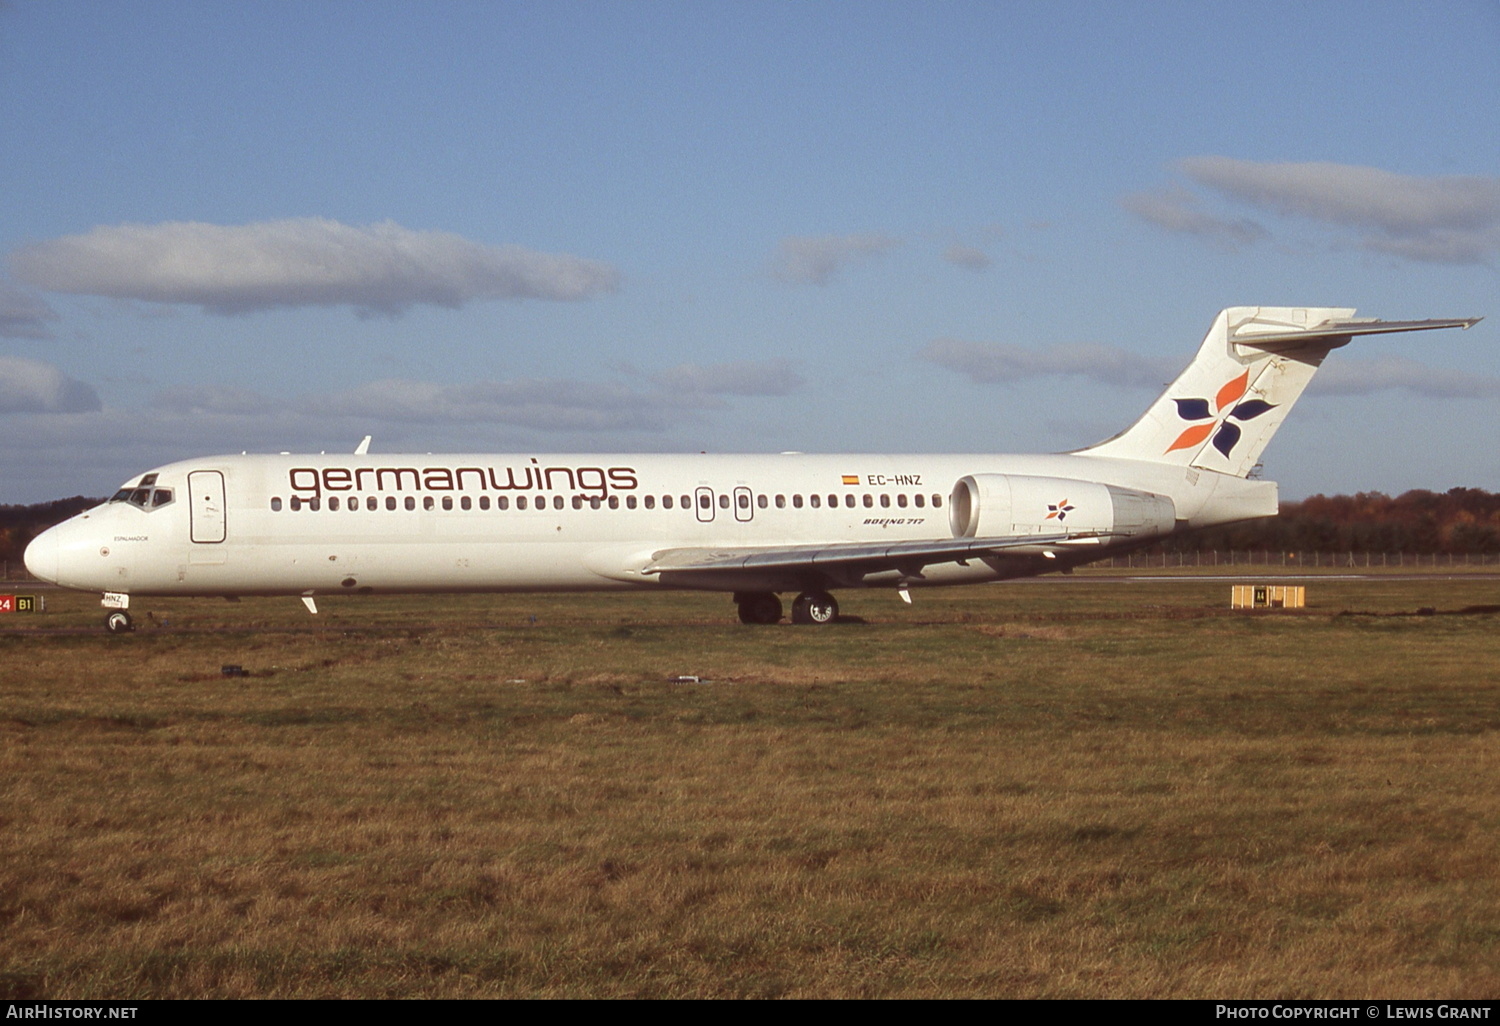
41	555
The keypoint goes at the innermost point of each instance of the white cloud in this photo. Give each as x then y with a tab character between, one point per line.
382	268
967	257
23	315
548	405
30	386
197	400
744	377
990	363
1346	375
1433	219
1178	210
814	260
559	405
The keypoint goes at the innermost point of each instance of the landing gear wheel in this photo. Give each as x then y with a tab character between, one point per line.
761	607
815	607
118	622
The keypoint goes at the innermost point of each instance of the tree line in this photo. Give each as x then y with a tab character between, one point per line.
20	524
1459	521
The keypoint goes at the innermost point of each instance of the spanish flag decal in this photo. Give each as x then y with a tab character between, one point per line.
851	479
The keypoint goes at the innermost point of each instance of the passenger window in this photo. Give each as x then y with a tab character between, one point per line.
371	503
937	501
919	499
503	502
390	502
484	502
275	503
687	502
796	501
411	502
593	502
630	502
650	502
849	500
869	500
833	502
333	503
614	502
762	501
296	502
666	502
557	502
313	504
816	501
428	502
885	500
466	503
901	500
578	502
520	502
447	502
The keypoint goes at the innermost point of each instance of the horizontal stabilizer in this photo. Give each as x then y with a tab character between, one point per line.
1332	334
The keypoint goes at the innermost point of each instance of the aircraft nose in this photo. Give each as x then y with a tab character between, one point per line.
41	555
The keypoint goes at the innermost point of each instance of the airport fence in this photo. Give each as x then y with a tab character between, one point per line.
1306	560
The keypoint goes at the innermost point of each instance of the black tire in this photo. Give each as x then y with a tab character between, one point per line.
760	608
815	607
117	621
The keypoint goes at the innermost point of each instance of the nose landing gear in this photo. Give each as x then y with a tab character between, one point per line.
117	621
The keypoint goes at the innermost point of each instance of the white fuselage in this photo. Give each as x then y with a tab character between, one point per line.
328	524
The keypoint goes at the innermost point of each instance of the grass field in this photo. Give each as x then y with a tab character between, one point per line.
1081	789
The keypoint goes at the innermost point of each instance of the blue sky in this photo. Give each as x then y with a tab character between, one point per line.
528	227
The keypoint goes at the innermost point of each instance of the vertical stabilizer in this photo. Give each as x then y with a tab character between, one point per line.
1222	410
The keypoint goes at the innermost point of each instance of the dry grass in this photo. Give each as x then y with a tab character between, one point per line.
1081	789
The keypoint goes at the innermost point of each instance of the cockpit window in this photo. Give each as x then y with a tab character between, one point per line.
144	495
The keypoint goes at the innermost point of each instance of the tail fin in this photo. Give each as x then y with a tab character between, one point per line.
1255	361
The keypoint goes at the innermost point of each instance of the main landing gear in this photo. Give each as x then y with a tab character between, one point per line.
117	621
763	607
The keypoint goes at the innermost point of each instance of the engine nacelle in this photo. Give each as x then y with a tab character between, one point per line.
1010	505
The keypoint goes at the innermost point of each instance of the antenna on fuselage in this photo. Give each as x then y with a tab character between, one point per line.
363	447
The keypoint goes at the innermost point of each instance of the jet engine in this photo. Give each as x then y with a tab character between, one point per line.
1010	505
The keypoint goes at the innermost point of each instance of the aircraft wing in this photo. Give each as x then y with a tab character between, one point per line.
869	557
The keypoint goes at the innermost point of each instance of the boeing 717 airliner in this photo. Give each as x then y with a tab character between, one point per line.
756	526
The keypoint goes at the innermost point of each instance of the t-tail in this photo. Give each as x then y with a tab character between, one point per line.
1221	412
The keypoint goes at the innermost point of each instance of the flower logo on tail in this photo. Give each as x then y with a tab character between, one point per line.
1227	434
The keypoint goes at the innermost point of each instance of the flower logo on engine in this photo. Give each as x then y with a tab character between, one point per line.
1059	511
1226	406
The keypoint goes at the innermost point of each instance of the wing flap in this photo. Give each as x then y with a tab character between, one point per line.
904	556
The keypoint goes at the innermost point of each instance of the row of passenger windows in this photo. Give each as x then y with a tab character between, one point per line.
705	501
